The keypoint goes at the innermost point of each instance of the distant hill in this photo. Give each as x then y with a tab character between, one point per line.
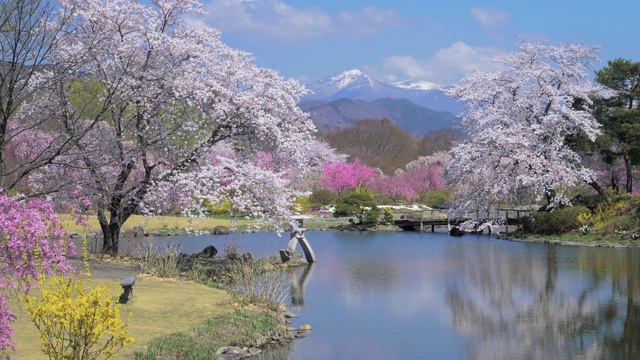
356	85
341	113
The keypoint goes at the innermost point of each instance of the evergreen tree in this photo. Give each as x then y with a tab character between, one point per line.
620	116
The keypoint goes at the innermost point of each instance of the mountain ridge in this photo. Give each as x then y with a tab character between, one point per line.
417	107
329	116
355	84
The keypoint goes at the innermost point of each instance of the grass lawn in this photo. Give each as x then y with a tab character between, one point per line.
158	223
158	307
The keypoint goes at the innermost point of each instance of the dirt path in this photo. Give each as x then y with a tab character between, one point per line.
108	269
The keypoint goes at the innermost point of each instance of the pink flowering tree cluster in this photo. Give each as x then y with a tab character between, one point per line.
423	175
343	176
153	99
32	243
520	122
397	187
319	154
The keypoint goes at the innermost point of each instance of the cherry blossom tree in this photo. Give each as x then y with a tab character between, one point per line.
520	122
167	95
30	31
342	176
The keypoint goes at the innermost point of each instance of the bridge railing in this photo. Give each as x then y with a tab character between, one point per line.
513	215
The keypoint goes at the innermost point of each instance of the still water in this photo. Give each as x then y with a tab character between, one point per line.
403	295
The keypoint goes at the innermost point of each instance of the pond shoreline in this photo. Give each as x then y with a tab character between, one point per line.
505	236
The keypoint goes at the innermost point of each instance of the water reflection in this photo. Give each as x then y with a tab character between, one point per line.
543	304
410	295
298	284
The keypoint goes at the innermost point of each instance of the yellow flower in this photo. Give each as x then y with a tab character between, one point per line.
76	320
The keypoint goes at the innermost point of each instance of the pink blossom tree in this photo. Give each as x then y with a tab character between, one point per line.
425	179
167	95
410	183
342	176
320	153
398	186
32	243
519	121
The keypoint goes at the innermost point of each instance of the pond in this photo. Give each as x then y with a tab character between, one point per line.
404	295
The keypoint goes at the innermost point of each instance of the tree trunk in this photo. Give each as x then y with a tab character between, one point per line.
111	239
110	233
629	169
597	188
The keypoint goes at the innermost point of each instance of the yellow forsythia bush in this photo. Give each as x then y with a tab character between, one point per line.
75	320
302	204
602	214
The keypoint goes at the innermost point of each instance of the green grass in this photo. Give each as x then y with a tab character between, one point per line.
159	223
239	328
159	307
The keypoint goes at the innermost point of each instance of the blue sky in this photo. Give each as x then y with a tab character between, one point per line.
432	40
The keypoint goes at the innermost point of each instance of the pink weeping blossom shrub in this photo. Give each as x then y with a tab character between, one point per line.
32	242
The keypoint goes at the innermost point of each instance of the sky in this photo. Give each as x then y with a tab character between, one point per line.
429	40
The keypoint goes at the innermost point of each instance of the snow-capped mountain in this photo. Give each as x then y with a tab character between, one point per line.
355	84
352	84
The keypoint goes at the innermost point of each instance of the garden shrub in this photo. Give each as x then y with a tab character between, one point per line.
360	205
435	199
617	217
387	216
559	221
602	214
620	225
322	197
383	199
76	320
372	216
631	203
302	204
584	195
225	207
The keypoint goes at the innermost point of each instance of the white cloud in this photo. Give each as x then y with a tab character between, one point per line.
446	67
367	21
262	19
490	18
276	21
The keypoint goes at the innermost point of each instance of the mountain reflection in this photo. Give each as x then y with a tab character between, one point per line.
546	303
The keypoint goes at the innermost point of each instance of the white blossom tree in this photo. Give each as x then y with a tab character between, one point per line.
162	96
520	123
29	31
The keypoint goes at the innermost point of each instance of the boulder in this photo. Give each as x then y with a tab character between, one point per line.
455	231
138	231
221	230
208	253
247	256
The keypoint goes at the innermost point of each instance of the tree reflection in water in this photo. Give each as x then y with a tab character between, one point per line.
542	305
